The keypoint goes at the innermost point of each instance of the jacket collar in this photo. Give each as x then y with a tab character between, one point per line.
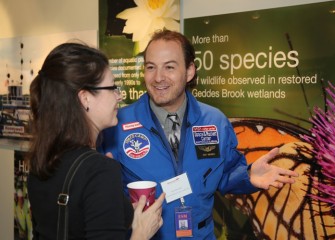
145	115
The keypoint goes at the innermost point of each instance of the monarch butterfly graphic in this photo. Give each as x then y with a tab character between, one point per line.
286	213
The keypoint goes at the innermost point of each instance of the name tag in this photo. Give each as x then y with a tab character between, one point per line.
176	188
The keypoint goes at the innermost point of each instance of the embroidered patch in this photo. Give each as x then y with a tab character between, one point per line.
130	126
136	145
204	135
207	151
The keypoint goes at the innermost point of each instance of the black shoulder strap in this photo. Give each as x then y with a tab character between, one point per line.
63	197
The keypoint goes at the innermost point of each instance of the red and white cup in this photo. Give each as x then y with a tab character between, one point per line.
139	188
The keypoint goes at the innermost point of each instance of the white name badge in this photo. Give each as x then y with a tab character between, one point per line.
176	188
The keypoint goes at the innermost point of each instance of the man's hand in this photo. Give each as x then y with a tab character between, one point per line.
263	175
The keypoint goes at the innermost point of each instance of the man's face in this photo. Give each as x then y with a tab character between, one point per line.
166	75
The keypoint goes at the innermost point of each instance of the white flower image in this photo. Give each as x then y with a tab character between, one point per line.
148	16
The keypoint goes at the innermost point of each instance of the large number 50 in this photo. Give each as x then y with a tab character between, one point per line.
206	61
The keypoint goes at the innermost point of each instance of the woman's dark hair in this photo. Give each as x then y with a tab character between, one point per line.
187	47
59	121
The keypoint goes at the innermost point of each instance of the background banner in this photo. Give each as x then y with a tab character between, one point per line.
269	63
125	30
22	212
267	70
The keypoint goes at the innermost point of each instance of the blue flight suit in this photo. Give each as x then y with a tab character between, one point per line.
207	153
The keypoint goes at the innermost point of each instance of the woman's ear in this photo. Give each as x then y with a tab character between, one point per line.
83	97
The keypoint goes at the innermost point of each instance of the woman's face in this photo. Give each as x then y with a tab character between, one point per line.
103	105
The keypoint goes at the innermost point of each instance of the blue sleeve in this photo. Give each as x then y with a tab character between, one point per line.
235	178
108	142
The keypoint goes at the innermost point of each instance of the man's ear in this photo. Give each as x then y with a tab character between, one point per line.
190	72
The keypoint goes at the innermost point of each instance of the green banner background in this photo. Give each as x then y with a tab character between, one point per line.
273	33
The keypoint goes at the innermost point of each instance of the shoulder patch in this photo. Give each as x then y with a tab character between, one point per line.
136	145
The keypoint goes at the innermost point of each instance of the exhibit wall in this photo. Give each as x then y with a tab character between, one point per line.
266	65
29	29
269	68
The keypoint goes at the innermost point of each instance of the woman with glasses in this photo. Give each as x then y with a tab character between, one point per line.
73	98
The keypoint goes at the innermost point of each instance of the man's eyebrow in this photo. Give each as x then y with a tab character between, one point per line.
168	62
172	61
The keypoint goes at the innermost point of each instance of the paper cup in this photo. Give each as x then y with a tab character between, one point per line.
139	188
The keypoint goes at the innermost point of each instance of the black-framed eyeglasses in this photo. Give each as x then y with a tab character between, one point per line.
114	88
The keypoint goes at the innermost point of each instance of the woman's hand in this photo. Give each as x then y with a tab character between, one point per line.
146	223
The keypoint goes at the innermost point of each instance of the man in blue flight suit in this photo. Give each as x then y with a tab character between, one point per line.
206	158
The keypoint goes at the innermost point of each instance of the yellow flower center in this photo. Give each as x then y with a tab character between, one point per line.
154	4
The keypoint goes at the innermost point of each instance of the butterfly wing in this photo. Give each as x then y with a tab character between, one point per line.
289	212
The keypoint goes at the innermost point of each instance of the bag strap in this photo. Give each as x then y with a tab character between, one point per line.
63	197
